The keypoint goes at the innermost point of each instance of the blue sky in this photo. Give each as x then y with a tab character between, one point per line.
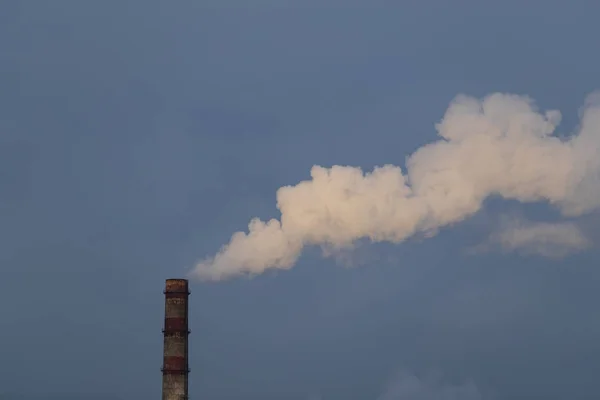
136	137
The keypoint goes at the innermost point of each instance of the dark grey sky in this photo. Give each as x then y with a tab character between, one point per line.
136	136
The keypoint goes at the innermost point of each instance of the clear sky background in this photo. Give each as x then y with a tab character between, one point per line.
136	136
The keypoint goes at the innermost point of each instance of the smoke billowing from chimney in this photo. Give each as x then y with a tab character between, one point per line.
499	145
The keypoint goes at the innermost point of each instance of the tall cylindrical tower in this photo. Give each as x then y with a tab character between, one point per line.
175	359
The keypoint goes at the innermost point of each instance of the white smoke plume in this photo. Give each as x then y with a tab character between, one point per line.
408	386
499	145
546	239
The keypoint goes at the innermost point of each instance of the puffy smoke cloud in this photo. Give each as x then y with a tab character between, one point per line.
554	240
407	386
499	145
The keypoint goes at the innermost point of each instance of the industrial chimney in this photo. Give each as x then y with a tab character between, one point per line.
175	359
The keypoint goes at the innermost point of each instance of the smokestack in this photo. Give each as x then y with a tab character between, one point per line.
175	359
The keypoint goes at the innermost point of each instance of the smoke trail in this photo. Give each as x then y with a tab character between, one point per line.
499	145
407	386
546	239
